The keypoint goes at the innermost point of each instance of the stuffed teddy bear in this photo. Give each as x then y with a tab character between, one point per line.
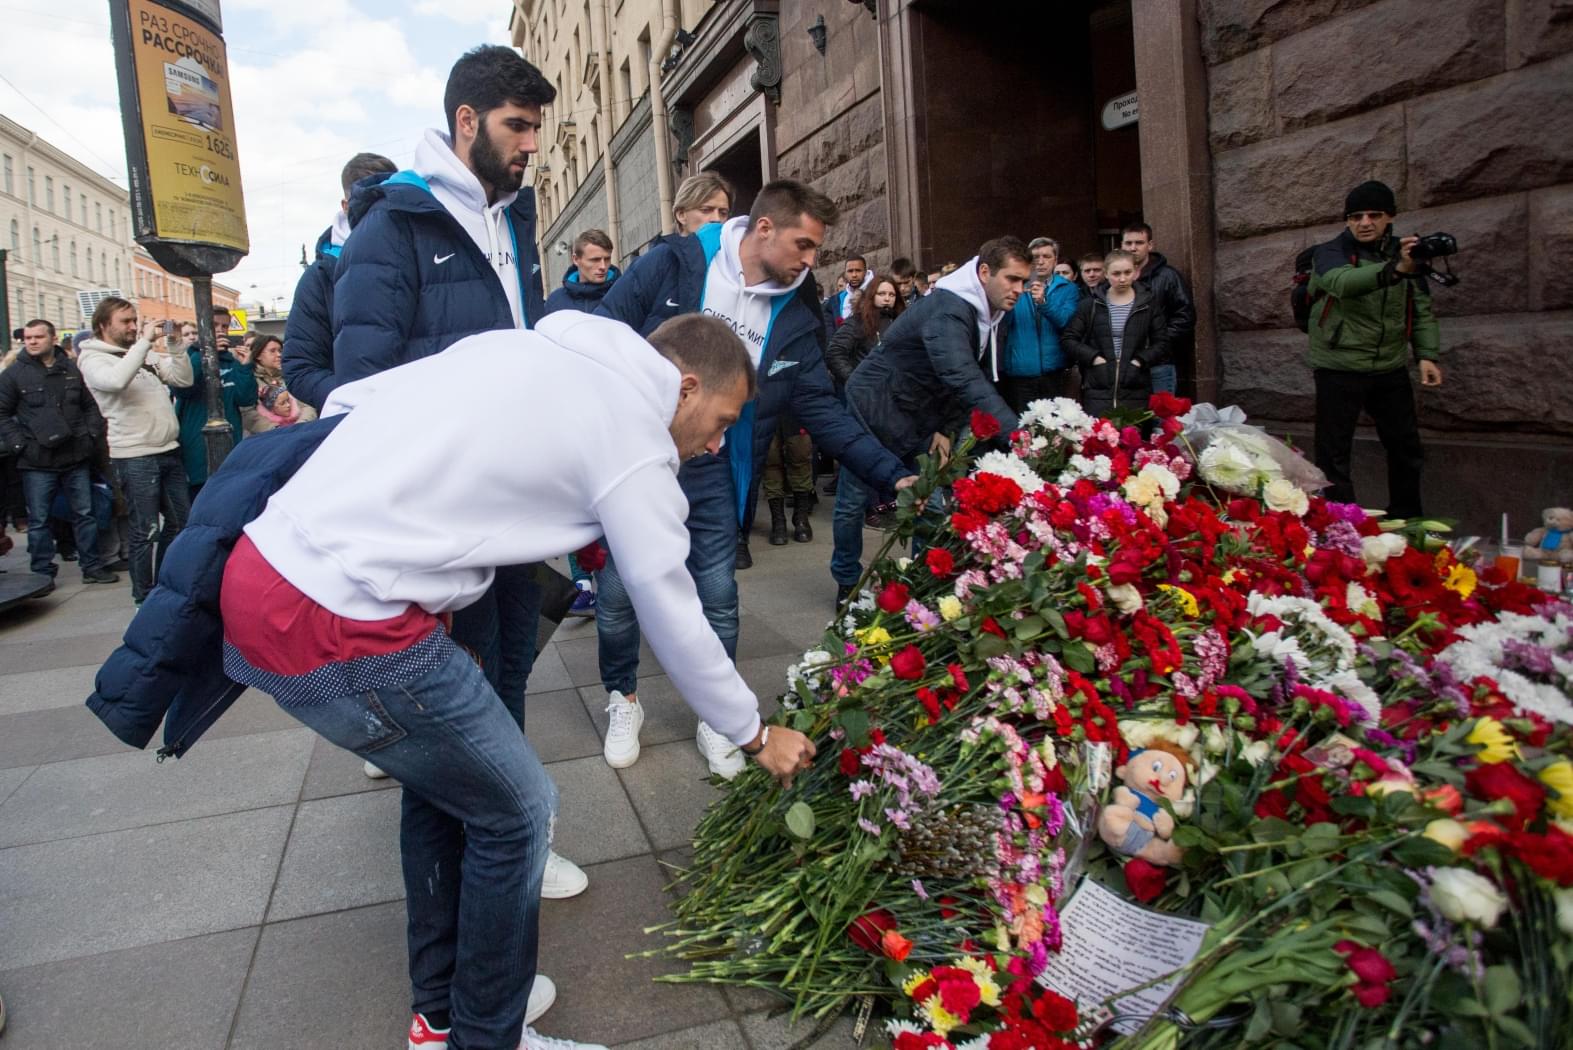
1555	539
1133	823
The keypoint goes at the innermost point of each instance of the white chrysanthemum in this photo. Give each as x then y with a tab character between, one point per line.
1361	601
1348	685
1099	468
1229	468
1479	652
1008	466
1059	415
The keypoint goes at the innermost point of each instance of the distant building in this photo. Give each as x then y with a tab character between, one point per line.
161	296
66	229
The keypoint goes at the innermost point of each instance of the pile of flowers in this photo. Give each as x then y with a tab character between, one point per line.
1374	739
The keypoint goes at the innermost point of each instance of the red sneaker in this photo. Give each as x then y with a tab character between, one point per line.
424	1037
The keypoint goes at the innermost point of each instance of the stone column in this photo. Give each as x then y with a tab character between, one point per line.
1177	182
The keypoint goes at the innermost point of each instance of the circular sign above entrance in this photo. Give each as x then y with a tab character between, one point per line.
1120	112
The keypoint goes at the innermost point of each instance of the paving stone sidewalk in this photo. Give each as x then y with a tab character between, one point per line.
248	896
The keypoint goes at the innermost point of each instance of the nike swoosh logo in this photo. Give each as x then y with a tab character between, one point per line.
672	303
440	259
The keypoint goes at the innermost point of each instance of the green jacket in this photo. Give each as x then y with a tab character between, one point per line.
1365	315
191	406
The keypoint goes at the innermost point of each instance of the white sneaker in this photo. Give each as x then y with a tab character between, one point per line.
621	749
563	878
373	772
534	1040
543	993
724	757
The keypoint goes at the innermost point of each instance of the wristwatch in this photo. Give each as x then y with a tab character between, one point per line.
764	738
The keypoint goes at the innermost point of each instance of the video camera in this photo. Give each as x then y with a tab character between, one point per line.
1436	246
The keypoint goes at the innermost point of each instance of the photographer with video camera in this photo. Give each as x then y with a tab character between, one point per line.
1368	304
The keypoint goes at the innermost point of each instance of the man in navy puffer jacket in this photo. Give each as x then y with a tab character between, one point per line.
445	250
752	273
308	334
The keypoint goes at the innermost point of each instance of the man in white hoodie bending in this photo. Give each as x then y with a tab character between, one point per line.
127	376
333	602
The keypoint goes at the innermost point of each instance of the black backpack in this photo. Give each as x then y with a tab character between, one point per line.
1300	291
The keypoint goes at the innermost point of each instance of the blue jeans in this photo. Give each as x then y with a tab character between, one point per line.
1163	379
39	487
500	628
712	562
151	484
478	811
853	498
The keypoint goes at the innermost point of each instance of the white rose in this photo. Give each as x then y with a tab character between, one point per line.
1257	753
1125	597
1463	896
1283	494
1564	899
1213	739
1377	549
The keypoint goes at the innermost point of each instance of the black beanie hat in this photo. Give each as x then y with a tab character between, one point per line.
1371	196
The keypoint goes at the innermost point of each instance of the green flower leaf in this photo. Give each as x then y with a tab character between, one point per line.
800	820
1503	990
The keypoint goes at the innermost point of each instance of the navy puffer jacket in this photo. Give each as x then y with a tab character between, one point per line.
171	661
410	281
580	295
308	333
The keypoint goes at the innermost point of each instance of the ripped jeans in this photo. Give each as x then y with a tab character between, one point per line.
478	811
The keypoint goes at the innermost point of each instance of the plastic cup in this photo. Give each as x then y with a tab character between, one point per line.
1507	562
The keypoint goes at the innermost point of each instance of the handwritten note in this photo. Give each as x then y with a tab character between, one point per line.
1112	946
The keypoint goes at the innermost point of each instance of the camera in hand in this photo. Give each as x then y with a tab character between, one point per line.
1436	246
1433	246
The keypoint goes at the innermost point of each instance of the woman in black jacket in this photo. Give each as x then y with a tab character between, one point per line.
1116	336
864	329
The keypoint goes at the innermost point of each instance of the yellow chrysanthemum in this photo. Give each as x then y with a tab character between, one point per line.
1559	778
1495	742
939	1018
875	640
983	977
1461	580
1184	597
910	985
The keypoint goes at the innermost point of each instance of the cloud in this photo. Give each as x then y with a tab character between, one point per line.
489	13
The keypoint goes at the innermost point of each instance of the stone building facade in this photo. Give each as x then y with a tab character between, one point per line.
936	124
1468	115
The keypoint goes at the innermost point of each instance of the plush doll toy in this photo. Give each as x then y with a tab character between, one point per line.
1554	540
1134	823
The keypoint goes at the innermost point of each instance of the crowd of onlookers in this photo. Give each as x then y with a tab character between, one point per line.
102	438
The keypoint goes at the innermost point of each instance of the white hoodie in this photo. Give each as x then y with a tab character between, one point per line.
460	192
746	307
846	300
963	281
130	389
386	513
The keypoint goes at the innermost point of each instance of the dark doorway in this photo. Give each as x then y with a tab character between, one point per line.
741	166
1006	123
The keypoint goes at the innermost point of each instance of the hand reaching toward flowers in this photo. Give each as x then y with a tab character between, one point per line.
939	447
786	753
907	482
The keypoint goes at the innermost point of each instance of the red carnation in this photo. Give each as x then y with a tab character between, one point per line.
1167	406
1056	1011
1371	996
940	562
919	1041
930	701
984	426
992	626
850	762
908	663
1372	972
893	597
1144	880
591	557
1502	780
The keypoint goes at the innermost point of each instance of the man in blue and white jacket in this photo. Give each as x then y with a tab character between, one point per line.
440	252
751	272
308	334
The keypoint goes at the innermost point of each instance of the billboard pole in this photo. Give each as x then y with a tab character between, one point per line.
187	207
